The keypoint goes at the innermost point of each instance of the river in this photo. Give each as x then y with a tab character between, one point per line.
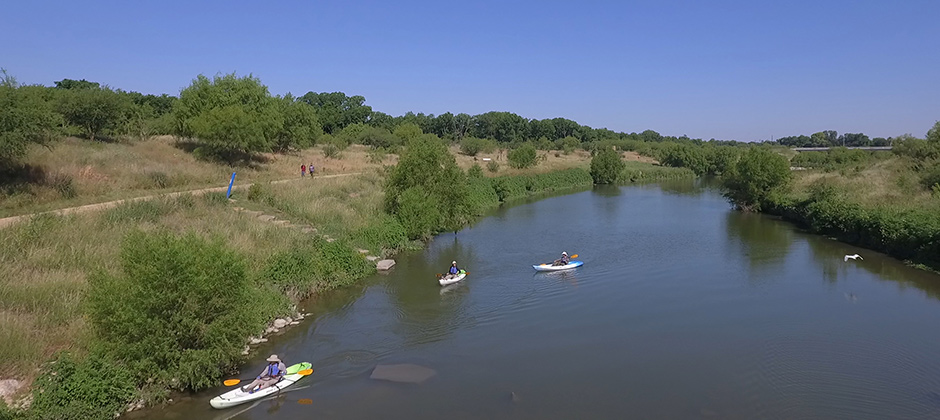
684	309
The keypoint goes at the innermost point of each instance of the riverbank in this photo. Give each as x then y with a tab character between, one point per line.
882	207
334	219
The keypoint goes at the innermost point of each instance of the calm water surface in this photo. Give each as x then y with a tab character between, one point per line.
683	309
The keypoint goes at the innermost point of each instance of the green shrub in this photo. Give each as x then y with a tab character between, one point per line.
93	388
437	189
63	184
758	174
159	179
931	177
475	171
419	213
685	156
331	151
257	192
524	156
492	166
215	198
385	233
606	166
470	146
178	312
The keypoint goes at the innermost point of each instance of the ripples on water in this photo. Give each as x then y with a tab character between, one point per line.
683	309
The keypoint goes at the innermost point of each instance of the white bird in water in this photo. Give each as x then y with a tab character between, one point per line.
852	257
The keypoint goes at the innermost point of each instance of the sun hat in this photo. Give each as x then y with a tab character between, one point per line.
274	358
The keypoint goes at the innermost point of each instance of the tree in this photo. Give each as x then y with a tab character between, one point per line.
94	109
757	175
301	127
336	110
933	135
25	118
408	131
426	190
523	156
76	84
230	115
606	166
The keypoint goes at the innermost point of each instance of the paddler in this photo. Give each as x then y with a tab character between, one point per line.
563	260
453	270
271	374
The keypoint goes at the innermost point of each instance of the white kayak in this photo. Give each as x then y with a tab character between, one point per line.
237	396
444	281
550	267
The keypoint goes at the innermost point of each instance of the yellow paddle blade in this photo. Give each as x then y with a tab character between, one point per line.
305	372
305	401
574	256
230	382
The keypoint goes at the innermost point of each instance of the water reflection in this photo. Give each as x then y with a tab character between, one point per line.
569	277
416	292
829	255
765	244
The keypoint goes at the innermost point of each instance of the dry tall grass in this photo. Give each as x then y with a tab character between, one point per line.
44	264
111	171
889	182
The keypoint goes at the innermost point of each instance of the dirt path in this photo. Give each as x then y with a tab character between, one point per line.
9	221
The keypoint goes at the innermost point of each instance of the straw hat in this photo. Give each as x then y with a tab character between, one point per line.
274	359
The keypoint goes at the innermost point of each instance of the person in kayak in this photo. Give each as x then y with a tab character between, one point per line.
453	271
271	374
563	260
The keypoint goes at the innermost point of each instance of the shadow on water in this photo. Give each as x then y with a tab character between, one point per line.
764	243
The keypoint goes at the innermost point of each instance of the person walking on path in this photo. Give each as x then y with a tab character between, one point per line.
303	170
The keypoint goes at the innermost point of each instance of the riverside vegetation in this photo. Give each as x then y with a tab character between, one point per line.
885	201
102	309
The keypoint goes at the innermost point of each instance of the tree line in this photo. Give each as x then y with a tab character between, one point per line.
229	116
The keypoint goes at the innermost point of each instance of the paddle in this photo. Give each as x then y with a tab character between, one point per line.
571	257
231	382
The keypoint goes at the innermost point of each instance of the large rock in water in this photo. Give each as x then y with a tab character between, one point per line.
384	265
412	374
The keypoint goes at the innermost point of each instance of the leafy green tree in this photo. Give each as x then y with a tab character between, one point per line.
408	131
606	166
426	190
94	109
301	127
568	144
179	311
229	115
686	156
25	118
76	84
933	135
336	110
524	156
758	174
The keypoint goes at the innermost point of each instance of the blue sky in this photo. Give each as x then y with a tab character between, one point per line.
744	70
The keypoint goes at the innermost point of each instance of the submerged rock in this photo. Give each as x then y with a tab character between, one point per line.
407	373
384	265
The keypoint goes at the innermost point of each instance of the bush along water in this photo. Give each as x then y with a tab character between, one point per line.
177	317
911	234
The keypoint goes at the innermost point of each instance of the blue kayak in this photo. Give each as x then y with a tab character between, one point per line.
550	267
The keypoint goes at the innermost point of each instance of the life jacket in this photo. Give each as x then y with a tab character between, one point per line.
453	270
273	370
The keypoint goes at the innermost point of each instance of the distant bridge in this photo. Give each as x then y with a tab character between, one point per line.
823	149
